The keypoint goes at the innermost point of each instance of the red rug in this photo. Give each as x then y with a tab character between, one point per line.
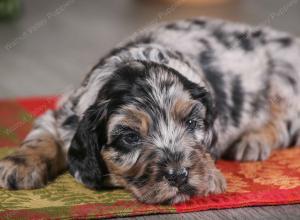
272	182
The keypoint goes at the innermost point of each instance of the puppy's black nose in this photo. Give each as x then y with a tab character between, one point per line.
177	177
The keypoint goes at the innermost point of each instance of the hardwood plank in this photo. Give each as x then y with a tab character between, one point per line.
281	212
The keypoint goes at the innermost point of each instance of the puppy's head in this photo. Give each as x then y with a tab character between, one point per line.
149	131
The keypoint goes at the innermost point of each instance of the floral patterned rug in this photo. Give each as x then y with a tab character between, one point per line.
272	182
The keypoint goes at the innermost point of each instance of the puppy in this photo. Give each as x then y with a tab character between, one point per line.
154	113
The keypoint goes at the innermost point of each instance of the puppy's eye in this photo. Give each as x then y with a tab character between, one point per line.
131	138
191	124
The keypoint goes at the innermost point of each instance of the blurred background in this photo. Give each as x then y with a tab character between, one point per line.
48	45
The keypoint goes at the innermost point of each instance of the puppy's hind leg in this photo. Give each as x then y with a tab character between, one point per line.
39	158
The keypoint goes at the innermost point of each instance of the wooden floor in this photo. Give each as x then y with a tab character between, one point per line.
291	212
54	43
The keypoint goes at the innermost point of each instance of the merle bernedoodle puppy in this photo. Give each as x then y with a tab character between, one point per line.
154	114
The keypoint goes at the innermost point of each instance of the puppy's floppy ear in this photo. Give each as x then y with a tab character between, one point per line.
85	162
202	95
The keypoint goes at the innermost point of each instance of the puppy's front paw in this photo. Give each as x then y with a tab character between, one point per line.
22	172
216	183
251	147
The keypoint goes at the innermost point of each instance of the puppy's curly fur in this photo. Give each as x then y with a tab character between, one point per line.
153	114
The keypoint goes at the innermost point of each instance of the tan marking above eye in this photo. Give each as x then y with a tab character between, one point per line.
181	109
134	118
